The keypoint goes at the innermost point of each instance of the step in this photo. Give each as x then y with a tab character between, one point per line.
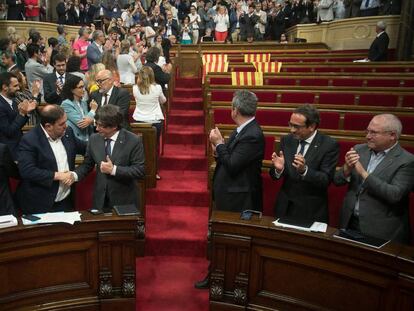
178	195
182	103
184	180
167	283
180	149
188	92
188	82
186	117
183	162
186	227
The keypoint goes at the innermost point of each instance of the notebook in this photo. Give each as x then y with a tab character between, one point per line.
359	238
126	210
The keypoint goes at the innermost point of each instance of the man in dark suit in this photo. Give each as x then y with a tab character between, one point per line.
379	48
53	82
95	49
380	175
237	181
46	158
7	169
13	115
15	9
162	75
61	10
118	156
307	161
277	22
110	94
90	11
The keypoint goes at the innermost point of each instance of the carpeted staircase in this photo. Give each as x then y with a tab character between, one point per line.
177	212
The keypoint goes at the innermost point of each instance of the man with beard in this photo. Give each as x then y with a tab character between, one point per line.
307	161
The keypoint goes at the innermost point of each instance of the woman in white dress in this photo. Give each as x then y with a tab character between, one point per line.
148	100
127	64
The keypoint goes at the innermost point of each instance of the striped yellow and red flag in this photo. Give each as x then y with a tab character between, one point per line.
249	58
267	67
246	78
214	58
214	67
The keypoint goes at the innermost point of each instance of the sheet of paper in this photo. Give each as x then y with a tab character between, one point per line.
8	221
59	217
316	226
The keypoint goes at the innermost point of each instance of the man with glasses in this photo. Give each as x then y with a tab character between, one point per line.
110	94
306	161
380	176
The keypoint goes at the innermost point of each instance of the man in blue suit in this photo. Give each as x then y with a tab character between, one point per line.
46	161
13	116
96	48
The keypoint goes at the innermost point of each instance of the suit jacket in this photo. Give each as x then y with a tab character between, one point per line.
128	156
37	164
93	54
7	169
306	197
119	97
49	89
383	196
237	180
161	77
379	48
15	11
61	13
11	124
36	71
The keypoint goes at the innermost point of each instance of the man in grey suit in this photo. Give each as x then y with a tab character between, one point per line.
380	175
34	68
96	48
119	159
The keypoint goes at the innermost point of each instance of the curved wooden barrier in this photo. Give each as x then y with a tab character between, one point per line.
257	266
87	266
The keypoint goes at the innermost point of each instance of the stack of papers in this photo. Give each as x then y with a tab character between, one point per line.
69	218
8	221
316	226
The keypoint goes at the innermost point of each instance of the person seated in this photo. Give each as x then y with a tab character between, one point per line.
283	39
78	116
378	51
207	37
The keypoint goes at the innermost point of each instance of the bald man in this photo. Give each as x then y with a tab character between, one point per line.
110	94
380	174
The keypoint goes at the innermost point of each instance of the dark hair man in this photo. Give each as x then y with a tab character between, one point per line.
53	82
34	68
46	158
380	178
118	156
162	75
13	115
307	161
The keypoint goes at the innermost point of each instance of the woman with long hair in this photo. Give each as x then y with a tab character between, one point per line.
126	64
149	98
186	31
222	23
109	61
79	118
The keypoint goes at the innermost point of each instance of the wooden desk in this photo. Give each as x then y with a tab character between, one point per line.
87	266
257	266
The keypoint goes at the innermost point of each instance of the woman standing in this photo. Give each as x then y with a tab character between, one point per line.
186	31
149	98
79	119
126	64
222	24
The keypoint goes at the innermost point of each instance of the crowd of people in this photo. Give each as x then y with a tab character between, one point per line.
197	21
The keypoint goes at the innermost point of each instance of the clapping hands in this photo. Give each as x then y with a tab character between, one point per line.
67	178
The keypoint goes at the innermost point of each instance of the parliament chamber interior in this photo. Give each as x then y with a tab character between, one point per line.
151	259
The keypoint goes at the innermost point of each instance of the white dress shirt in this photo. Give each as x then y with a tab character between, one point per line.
113	139
109	96
8	100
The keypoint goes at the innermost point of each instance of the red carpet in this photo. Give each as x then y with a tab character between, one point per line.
177	212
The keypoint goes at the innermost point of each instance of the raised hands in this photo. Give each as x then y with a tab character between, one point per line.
299	163
216	137
36	85
107	167
278	161
27	106
85	122
93	105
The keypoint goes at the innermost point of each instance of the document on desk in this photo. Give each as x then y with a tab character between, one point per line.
316	226
58	217
8	221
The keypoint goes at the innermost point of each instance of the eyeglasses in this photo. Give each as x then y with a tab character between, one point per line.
296	126
376	133
100	81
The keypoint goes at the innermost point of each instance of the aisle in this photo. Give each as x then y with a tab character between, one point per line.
177	212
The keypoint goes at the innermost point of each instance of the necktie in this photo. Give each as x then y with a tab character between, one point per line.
106	99
61	80
108	146
366	3
302	146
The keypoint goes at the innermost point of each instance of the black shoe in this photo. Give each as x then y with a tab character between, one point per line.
204	284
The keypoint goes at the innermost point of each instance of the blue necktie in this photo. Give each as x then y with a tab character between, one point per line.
302	146
366	3
61	79
108	146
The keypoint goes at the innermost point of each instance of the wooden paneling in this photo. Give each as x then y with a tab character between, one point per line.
257	266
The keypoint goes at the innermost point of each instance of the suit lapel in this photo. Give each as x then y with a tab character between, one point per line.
46	146
313	147
114	94
69	150
387	161
120	141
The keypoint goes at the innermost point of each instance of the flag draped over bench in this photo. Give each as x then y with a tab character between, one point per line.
249	58
214	58
267	66
214	67
246	78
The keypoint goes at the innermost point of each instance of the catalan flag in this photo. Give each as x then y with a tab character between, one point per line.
249	58
214	58
246	78
214	67
267	67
